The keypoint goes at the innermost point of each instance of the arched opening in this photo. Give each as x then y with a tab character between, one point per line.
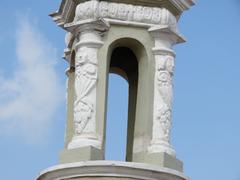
124	63
116	129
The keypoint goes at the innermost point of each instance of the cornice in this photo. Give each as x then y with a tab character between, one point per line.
66	11
182	5
176	7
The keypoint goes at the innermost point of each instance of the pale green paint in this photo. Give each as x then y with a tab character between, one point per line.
80	154
141	43
159	159
70	103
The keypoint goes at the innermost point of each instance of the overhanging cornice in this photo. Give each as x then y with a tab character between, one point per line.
175	6
66	11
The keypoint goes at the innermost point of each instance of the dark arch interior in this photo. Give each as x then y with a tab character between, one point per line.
123	58
124	63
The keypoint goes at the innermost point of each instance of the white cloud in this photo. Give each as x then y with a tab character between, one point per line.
30	98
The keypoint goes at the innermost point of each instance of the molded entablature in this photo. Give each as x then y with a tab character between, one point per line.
66	12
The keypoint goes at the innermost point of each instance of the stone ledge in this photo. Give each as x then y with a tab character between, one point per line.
160	160
107	170
80	154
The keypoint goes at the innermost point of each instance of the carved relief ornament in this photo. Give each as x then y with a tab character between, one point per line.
162	121
164	74
85	81
124	12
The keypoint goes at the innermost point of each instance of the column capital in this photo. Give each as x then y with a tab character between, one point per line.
99	25
88	32
165	37
165	32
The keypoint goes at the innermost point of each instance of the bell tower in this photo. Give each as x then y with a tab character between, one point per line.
134	39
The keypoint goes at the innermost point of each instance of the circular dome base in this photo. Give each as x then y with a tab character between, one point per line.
109	170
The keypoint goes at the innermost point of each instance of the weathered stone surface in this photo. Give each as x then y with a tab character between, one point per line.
66	14
109	170
80	154
142	34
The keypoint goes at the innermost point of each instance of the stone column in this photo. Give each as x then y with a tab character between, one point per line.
164	38
86	142
86	76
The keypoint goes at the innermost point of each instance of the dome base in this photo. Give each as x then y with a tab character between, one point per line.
109	170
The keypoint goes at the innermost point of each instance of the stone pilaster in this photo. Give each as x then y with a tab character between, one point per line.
86	140
160	144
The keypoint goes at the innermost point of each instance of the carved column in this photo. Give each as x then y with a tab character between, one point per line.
86	78
165	38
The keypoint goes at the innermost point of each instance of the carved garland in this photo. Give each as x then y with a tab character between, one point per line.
165	68
124	12
85	81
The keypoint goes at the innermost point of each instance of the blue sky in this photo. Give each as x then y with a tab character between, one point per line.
206	123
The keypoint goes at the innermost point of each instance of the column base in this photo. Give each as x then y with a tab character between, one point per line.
87	153
161	147
110	170
160	159
84	141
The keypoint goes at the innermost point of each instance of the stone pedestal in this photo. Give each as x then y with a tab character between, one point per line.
109	170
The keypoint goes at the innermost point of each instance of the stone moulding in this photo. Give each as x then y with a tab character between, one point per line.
124	12
110	169
66	11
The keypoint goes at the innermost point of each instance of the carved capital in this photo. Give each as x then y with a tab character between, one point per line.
99	25
165	37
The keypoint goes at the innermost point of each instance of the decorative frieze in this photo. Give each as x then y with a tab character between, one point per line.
124	12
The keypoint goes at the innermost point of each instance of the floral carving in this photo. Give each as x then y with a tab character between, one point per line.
113	10
165	68
148	13
163	104
156	15
125	12
164	120
163	78
103	9
83	112
85	81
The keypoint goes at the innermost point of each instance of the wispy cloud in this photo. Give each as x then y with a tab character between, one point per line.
29	99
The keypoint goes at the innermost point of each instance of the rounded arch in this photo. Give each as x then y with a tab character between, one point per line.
133	44
125	55
124	63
